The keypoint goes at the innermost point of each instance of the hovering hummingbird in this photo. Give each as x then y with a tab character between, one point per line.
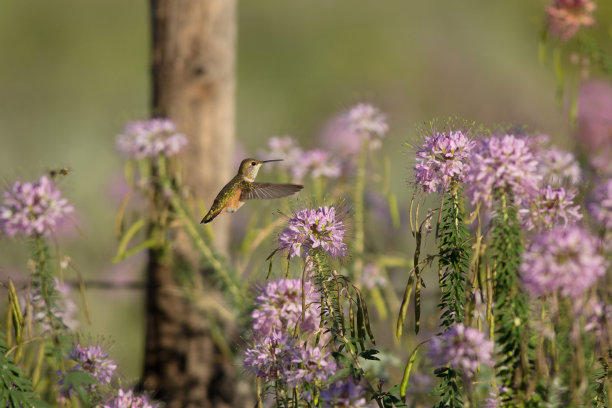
243	187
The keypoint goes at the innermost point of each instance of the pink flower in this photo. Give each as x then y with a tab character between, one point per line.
564	260
279	308
565	17
443	159
310	229
595	115
150	138
503	165
345	133
33	208
552	207
463	348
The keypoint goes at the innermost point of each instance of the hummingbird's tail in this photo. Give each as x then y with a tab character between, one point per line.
209	217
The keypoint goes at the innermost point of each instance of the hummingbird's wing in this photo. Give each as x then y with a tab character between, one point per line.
262	191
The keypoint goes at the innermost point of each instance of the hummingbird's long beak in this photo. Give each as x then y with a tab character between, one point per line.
274	160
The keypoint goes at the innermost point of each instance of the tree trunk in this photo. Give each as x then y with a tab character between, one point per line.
193	84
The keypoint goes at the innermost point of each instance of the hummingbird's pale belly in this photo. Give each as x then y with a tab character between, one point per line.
231	209
234	203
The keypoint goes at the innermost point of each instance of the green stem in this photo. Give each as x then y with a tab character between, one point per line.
194	234
358	245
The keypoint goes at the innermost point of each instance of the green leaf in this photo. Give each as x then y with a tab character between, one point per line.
125	240
404	307
370	354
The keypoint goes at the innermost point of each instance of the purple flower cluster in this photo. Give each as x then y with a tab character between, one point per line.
93	361
552	207
565	17
310	229
564	259
346	132
32	208
600	204
558	167
150	138
284	148
318	163
279	308
127	399
442	160
311	365
300	163
279	357
344	394
463	348
503	164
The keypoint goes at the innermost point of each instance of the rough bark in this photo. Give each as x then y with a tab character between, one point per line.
193	84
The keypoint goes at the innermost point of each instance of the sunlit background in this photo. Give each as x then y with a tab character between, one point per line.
73	72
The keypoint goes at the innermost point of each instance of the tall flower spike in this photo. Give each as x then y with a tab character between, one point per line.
564	260
463	348
503	164
443	159
309	229
150	138
31	208
279	308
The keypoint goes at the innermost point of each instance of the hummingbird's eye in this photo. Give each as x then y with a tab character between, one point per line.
253	163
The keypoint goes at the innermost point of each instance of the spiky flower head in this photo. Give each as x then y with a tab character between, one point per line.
502	165
566	17
442	160
600	204
558	167
564	260
271	357
150	138
311	229
279	308
127	399
344	394
318	163
346	132
463	348
32	208
552	207
94	361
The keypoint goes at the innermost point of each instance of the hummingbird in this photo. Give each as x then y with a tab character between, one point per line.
243	187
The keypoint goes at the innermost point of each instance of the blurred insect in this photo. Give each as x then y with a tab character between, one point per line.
61	171
243	187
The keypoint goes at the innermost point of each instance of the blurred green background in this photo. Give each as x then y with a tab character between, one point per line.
73	72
